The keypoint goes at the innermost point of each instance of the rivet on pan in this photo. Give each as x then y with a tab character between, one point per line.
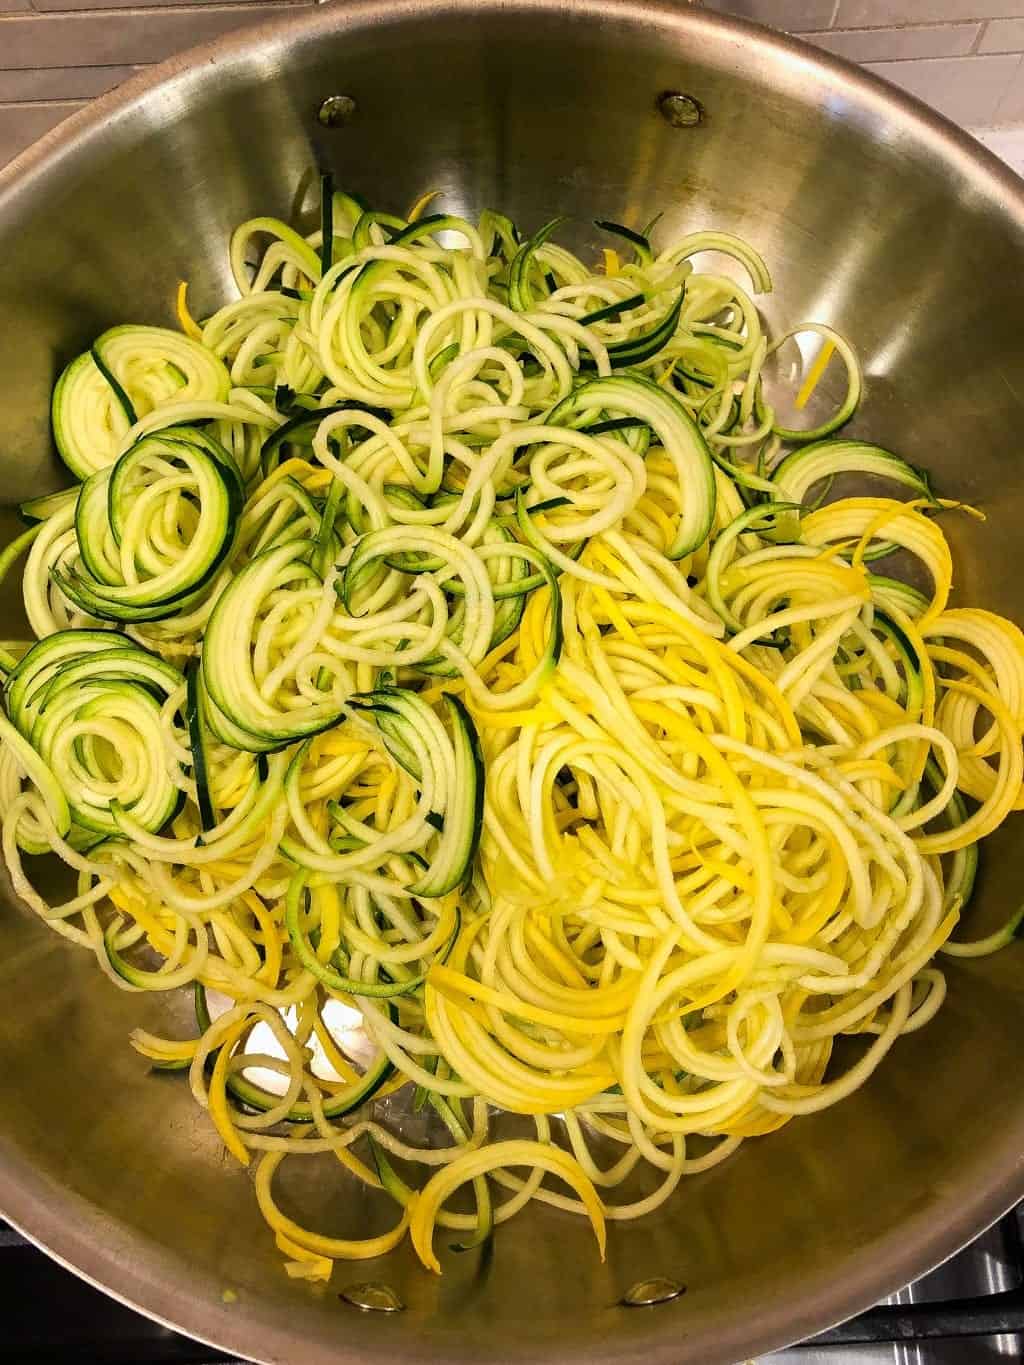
372	1298
682	111
646	1293
336	111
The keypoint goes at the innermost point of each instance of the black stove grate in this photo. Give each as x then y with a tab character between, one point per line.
957	1319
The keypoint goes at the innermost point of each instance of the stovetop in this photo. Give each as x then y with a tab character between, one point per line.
968	1312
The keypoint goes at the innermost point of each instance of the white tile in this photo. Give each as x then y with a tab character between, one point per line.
966	89
1010	108
64	5
22	124
865	13
1003	35
61	82
117	37
798	16
898	44
1007	143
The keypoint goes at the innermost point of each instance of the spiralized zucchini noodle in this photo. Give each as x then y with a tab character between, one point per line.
447	644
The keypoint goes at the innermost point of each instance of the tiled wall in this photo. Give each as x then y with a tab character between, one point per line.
966	57
56	54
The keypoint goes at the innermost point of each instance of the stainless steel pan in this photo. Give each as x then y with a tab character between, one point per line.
876	217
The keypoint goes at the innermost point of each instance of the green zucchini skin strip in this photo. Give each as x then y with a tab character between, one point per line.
197	743
326	222
254	1097
398	713
41	508
203	1021
127	406
177	365
759	518
797	474
428	226
334	1107
635	351
226	666
484	1204
963	868
505	238
634	395
849	405
11	553
612	310
637	240
913	685
325	973
369	218
40	776
520	291
402	1193
103	512
304	424
81	674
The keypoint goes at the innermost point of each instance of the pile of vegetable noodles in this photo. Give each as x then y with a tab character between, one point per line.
447	646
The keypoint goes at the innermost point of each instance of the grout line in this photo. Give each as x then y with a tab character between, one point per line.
46	104
63	66
1009	85
912	27
958	57
122	11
